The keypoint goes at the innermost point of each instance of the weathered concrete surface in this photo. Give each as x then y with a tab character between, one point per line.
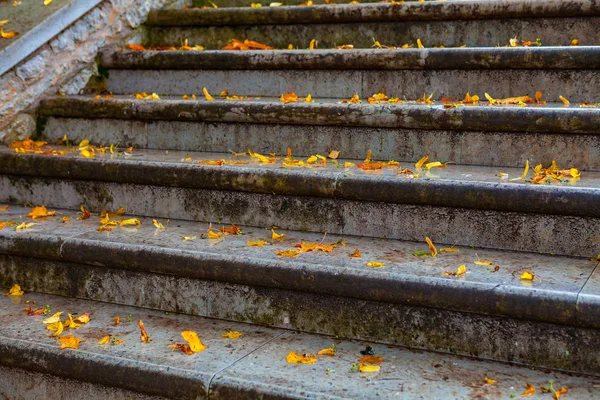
564	235
575	85
551	118
380	12
455	186
360	59
494	149
146	368
19	384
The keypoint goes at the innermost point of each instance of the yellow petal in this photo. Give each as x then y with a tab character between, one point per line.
207	96
525	172
192	338
232	335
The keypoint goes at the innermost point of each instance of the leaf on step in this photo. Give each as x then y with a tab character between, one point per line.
470	99
232	335
85	214
421	254
489	381
527	276
354	99
135	47
483	262
104	340
308	99
53	319
69	342
211	234
194	341
15	290
57	327
130	221
182	347
356	254
293	358
146	96
345	47
375	264
314	43
82	319
40	212
330	351
425	99
514	100
288	98
371	359
275	235
525	172
258	243
232	230
462	269
207	96
368	368
186	238
143	334
530	390
158	225
370	166
262	159
421	162
432	249
287	253
333	154
25	225
307	246
449	250
349	164
186	97
3	208
8	35
564	100
419	44
559	392
116	320
435	164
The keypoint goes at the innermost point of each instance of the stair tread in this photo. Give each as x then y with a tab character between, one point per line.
554	296
482	58
256	362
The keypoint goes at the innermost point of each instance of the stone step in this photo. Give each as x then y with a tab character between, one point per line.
249	367
458	205
407	74
450	23
499	136
485	313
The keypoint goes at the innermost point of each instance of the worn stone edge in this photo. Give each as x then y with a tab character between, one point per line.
585	57
26	44
404	289
493	196
408	116
374	12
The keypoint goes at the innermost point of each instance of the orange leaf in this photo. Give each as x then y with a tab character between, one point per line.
432	249
529	391
293	358
192	338
287	253
275	235
559	392
356	254
135	47
143	334
207	96
182	347
371	360
8	35
232	230
330	351
69	342
40	212
104	340
370	166
288	98
15	290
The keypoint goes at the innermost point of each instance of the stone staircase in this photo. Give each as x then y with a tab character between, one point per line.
440	335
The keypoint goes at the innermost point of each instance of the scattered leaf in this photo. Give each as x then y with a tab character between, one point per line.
186	238
53	319
371	359
182	347
40	212
116	320
293	358
489	381
25	225
462	269
529	391
432	249
232	335
419	44
574	42
275	235
194	341
207	96
143	334
135	47
69	342
525	172
356	254
57	327
333	154
368	368
258	243
313	44
483	262
9	34
527	276
564	100
288	98
104	340
130	221
288	253
158	225
419	164
449	250
15	290
375	264
330	351
559	392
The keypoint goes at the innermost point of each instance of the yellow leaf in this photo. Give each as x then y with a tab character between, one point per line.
527	276
4	22
490	99
192	338
157	224
47	2
232	335
462	269
25	225
3	208
313	44
213	235
207	96
574	172
309	99
524	172
53	319
258	243
349	164
356	254
575	42
375	264
432	249
184	238
489	381
59	329
15	290
287	253
483	262
333	154
449	250
564	100
514	42
293	358
330	351
130	221
104	340
53	326
311	160
419	164
40	212
435	164
559	392
369	359
83	318
69	342
369	368
143	334
369	154
419	44
288	98
9	34
529	391
275	235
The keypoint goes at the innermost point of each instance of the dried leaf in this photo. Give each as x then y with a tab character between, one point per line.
449	250
182	347
194	341
313	44
185	238
69	342
8	35
116	320
529	391
293	358
432	249
207	96
462	269
25	225
368	368
53	319
470	99
564	100
104	340
483	262
527	276
232	335
83	318
419	164
356	254
15	290
275	235
287	253
370	359
308	99
574	42
559	392
143	334
40	212
232	230
158	225
288	98
330	351
258	243
333	154
85	214
211	234
130	221
525	172
419	44
135	47
489	381
375	264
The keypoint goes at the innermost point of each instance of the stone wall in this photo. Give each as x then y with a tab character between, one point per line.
65	63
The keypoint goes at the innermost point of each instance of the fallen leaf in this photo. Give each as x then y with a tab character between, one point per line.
15	290
288	98
69	342
419	44
158	225
564	100
375	264
371	359
527	276
559	392
9	34
104	340
211	234
146	96
207	96
53	319
575	42
356	254
182	347
25	225
313	44
529	391
135	47
483	262
333	154
258	243
432	249
354	99
330	351
130	221
489	381
143	334
525	172
185	238
275	235
470	99
449	250
47	2
287	253
435	164
83	318
3	208
368	368
419	164
308	99
462	269
308	246
293	358
40	212
232	335
4	22
232	230
116	320
194	341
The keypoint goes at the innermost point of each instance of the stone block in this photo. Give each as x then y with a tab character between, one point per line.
33	69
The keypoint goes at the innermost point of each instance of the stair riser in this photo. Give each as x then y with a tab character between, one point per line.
498	149
497	338
575	85
483	33
566	235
